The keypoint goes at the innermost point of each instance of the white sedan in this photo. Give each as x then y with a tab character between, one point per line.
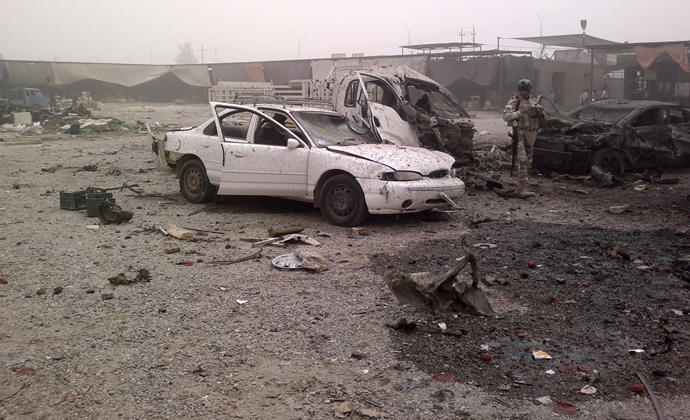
305	154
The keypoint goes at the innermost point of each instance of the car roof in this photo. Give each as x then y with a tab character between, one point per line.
289	108
624	104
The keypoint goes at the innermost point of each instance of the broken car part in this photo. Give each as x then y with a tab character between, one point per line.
441	293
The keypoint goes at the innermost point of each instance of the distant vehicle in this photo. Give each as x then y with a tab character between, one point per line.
614	135
25	98
305	154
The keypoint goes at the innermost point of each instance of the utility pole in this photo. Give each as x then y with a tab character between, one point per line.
215	49
409	31
473	34
541	21
202	53
299	44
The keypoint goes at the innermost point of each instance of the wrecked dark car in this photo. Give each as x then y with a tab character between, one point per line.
615	135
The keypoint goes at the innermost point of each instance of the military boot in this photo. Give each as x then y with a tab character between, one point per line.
522	192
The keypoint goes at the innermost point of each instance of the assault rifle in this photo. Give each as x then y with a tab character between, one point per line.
514	137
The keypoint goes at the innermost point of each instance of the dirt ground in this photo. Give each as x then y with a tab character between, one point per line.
198	339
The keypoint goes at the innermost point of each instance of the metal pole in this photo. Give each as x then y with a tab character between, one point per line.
409	32
500	71
299	44
591	75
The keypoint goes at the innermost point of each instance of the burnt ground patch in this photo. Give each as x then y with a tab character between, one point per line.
581	305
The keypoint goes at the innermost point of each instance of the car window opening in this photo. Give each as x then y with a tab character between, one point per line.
330	129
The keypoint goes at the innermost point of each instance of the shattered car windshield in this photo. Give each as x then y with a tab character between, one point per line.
611	115
443	103
330	129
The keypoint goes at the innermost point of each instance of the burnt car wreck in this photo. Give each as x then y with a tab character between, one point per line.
615	135
405	107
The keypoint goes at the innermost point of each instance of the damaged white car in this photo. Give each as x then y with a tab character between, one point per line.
305	154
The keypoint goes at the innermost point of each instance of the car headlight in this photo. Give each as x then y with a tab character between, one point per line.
400	176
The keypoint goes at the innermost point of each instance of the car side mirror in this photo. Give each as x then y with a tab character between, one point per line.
292	144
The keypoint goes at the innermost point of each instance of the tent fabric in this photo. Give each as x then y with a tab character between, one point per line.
570	41
321	68
193	74
480	70
121	74
646	56
281	72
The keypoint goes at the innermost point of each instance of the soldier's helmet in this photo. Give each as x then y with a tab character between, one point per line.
524	84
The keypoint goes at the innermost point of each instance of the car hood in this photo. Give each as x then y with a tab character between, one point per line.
399	158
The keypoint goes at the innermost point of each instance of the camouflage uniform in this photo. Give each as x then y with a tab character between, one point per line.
527	125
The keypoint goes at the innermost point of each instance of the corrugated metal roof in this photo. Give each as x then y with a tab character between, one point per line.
629	45
570	41
441	46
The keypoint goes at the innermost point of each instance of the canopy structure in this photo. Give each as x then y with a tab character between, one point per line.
569	41
442	46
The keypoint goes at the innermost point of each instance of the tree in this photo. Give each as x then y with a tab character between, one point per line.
186	54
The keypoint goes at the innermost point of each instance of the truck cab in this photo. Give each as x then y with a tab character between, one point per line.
402	106
26	98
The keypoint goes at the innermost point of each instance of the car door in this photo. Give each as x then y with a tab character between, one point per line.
272	160
650	137
381	103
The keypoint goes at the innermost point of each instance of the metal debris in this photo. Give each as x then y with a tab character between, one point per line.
441	293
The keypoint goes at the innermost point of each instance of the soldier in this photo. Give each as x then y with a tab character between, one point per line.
524	113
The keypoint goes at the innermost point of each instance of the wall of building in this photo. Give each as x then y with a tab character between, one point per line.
574	79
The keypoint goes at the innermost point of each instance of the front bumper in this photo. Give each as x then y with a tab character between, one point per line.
394	197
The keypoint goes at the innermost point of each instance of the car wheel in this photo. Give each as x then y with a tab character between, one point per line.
194	184
36	108
342	201
609	160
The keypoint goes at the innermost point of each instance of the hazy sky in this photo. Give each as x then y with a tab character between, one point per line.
149	31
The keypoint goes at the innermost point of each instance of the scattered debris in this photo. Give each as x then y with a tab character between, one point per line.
491	183
588	389
326	231
285	231
657	406
8	391
282	240
142	275
15	362
540	355
287	261
109	212
601	178
180	233
401	324
477	220
441	293
621	209
312	261
358	355
614	250
236	260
